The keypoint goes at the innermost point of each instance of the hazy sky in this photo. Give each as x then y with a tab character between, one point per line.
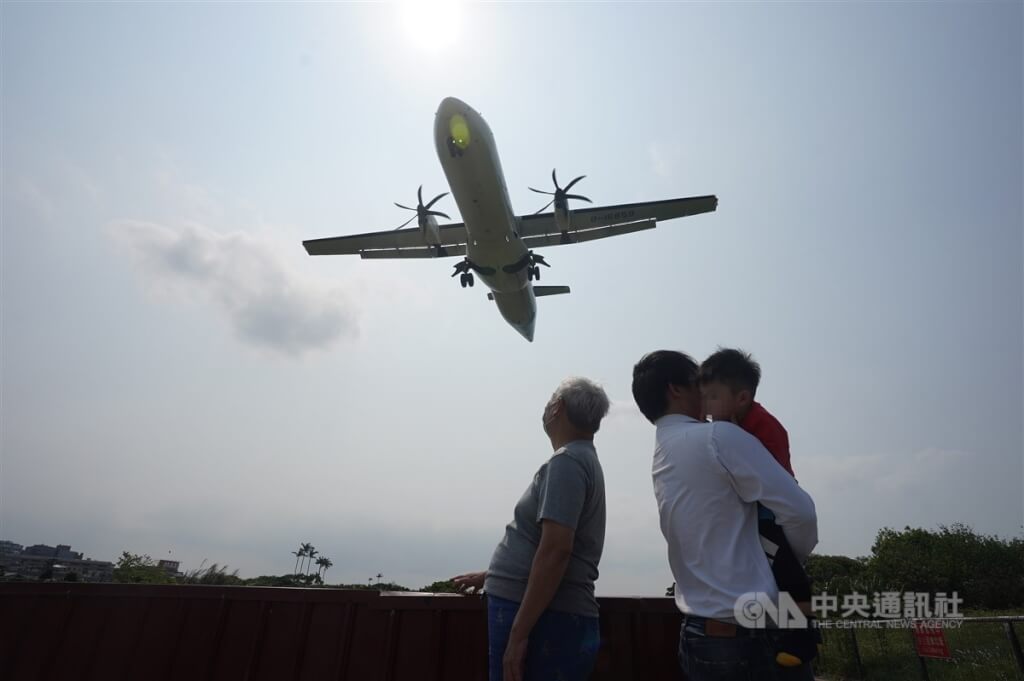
179	377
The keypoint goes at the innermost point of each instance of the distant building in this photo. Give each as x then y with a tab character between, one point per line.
9	548
170	567
61	552
52	563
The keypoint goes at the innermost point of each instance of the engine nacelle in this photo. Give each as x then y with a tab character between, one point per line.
563	217
429	230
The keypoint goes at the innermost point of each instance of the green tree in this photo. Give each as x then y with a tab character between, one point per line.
445	586
139	569
298	556
985	571
837	575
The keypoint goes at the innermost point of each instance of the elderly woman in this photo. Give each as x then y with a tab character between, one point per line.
542	616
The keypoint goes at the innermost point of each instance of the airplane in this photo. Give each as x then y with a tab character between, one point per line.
496	244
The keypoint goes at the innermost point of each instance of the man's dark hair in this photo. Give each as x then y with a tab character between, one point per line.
734	368
654	373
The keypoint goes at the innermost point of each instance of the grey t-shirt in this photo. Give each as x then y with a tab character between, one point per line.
568	489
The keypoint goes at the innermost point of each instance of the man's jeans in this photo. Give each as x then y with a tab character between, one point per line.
744	658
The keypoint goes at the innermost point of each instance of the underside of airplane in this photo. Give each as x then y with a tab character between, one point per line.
496	245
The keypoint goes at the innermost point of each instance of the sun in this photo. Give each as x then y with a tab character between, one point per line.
431	26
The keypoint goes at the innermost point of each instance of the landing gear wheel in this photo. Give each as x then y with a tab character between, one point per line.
536	273
469	278
462	279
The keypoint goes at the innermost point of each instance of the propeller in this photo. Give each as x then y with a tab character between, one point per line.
422	211
561	194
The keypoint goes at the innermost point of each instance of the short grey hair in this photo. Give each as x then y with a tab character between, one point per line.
585	402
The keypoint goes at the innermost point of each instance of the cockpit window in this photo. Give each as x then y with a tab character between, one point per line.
459	129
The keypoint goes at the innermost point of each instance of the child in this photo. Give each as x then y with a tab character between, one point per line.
728	383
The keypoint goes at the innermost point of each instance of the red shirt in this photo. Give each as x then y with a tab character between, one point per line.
766	428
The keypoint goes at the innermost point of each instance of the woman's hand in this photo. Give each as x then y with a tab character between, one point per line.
471	582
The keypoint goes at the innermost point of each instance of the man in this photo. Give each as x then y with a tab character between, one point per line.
708	480
542	616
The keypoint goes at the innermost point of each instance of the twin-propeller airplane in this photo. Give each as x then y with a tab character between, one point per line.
497	245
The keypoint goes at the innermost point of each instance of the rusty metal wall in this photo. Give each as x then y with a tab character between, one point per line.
123	631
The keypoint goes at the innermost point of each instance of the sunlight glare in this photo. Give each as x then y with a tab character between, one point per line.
432	26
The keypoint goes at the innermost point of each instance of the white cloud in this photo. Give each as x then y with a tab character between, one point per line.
265	301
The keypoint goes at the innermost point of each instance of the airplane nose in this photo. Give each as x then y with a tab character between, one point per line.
450	106
526	331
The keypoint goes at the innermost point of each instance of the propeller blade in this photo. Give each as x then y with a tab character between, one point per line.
577	196
437	212
404	224
569	186
435	200
545	206
540	192
405	207
419	195
553	178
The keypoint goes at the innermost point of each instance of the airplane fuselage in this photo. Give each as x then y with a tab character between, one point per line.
469	157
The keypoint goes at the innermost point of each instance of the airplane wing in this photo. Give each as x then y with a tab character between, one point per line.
402	243
605	221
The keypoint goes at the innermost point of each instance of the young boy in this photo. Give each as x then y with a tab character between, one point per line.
728	383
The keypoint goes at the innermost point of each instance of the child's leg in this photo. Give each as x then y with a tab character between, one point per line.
795	645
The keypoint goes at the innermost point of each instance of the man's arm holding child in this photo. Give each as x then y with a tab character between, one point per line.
756	476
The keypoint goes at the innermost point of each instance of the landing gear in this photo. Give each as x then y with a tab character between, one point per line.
533	272
466	279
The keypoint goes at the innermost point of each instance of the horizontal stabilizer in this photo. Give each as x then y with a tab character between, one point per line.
542	291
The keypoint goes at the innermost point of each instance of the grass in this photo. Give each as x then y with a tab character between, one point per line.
980	652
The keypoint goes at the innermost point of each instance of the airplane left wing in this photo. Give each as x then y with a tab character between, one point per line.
593	219
402	243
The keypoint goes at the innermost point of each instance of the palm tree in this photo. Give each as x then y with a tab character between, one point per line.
306	547
324	563
379	575
311	554
298	555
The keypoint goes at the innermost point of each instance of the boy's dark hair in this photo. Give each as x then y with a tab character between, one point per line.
654	373
734	368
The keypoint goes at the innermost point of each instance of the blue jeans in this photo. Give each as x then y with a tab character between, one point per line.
562	646
744	658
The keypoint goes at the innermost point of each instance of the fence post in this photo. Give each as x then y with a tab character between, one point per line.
1014	645
856	653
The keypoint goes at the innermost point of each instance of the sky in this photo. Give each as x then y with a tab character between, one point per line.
180	379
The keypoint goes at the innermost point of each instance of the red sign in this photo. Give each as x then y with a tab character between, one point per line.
930	642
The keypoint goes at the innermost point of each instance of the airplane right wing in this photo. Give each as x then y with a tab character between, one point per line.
605	221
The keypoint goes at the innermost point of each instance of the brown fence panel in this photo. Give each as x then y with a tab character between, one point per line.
464	645
115	632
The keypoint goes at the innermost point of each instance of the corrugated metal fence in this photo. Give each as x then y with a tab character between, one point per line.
125	631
